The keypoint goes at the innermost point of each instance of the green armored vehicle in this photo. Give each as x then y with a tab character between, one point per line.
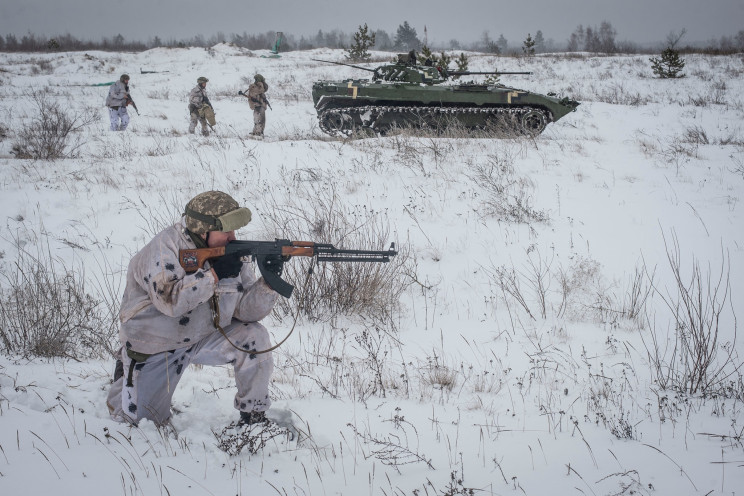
409	94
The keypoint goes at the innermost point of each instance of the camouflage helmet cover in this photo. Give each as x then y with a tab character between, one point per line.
215	211
201	80
124	77
259	77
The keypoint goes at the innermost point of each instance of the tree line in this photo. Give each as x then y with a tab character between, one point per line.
593	39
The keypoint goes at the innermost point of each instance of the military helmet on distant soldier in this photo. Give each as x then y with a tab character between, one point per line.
215	211
124	78
259	78
201	80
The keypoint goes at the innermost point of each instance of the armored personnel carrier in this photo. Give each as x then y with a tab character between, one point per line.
407	94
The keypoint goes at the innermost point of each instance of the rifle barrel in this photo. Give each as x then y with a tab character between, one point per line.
329	253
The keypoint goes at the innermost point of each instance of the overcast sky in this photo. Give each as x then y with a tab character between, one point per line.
640	21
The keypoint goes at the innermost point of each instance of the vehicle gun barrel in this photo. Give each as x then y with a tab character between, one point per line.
474	73
342	63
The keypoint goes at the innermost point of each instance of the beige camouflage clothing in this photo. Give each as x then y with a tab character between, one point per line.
164	308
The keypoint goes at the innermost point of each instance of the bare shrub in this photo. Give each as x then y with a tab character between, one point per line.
376	346
46	311
673	150
160	147
54	132
738	166
161	93
692	363
696	135
509	282
636	295
508	197
617	94
394	450
438	375
317	214
42	67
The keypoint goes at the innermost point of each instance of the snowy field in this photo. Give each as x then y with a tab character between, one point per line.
561	318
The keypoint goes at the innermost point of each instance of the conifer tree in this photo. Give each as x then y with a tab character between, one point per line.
502	43
425	54
406	37
462	62
363	41
539	42
443	61
669	65
528	47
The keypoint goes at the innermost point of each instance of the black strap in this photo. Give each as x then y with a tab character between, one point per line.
130	383
207	219
198	241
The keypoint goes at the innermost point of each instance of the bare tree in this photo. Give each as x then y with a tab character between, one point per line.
673	37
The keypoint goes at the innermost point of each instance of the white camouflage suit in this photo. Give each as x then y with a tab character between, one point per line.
166	314
116	101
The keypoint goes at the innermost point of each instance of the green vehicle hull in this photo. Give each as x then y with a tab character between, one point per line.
400	95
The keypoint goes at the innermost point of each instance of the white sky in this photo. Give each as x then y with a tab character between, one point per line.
639	21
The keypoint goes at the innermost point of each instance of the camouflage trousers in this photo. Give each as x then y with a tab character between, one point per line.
259	120
146	388
119	118
201	120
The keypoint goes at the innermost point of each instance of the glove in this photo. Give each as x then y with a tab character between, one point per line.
227	266
240	92
274	264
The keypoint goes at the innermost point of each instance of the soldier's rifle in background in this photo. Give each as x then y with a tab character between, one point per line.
131	102
264	98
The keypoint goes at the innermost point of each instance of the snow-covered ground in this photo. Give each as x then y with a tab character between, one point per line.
536	327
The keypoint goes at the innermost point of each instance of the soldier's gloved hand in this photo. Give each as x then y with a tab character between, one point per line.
274	264
227	266
240	92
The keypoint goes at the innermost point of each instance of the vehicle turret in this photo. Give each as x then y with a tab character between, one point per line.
406	72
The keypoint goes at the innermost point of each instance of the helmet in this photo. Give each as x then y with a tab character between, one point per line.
259	78
201	80
215	211
124	77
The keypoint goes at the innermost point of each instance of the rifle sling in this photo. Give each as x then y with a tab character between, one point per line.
214	303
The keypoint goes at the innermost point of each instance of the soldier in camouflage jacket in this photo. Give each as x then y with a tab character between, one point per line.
167	317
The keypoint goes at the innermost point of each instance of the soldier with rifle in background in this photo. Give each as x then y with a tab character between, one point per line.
258	102
200	108
117	100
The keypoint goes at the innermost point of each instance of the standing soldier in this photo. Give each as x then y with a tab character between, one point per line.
257	101
117	101
199	104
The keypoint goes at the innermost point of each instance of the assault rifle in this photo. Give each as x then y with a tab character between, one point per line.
192	259
131	102
264	98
